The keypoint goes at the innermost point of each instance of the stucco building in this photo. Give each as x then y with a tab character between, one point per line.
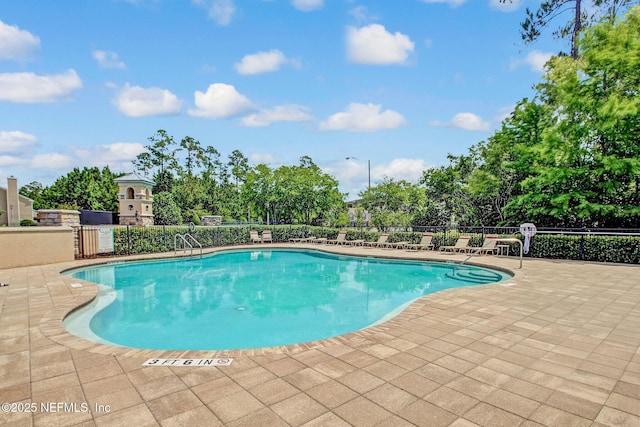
15	206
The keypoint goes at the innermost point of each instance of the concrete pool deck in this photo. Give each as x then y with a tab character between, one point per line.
558	346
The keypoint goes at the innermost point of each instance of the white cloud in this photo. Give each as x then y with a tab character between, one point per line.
30	88
508	6
452	3
363	118
353	175
17	44
107	59
466	121
7	160
261	62
120	151
535	60
220	101
374	45
117	156
52	161
307	5
220	11
407	169
281	113
261	158
361	15
15	141
136	101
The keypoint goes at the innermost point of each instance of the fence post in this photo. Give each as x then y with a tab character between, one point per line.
81	241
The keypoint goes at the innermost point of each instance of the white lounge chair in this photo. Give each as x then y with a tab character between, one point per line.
340	240
380	243
425	243
461	245
266	236
254	237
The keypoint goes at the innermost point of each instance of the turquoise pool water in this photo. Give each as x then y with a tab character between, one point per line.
253	298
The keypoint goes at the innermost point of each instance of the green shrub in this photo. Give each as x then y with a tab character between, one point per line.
139	240
27	223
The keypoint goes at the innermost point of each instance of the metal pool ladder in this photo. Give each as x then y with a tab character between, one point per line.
186	244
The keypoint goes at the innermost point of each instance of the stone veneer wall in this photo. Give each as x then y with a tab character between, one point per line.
143	220
211	220
58	217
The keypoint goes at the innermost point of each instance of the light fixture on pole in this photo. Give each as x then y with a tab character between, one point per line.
368	168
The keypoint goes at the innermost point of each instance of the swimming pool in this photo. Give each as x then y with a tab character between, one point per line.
253	298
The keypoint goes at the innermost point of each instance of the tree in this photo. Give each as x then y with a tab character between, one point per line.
165	209
301	194
161	157
393	203
33	190
587	167
548	10
89	188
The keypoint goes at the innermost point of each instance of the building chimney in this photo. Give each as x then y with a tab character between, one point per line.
13	202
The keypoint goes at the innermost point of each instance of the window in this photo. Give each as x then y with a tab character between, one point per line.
129	193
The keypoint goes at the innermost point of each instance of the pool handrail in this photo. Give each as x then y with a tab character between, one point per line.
184	237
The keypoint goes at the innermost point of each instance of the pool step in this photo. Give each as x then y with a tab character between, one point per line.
474	276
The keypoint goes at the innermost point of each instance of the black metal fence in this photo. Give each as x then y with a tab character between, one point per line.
603	245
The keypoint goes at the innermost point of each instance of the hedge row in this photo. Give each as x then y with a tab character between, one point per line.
139	240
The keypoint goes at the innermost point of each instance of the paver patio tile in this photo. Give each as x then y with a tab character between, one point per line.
513	403
273	391
623	403
390	397
328	419
385	370
298	409
332	394
284	366
252	376
138	416
488	415
306	378
160	387
361	381
451	400
423	413
173	404
216	389
234	406
261	418
550	416
362	412
200	416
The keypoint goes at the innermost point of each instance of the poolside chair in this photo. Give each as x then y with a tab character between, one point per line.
356	242
425	243
397	245
489	246
340	240
461	245
253	237
318	240
381	242
266	236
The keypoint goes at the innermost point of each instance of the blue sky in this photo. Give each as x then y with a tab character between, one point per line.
399	83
